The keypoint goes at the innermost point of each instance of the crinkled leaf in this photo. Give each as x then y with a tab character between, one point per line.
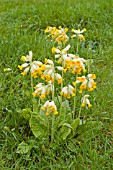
23	148
38	126
65	130
72	145
26	113
68	125
61	119
75	123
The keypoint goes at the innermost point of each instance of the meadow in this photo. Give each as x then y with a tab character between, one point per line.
22	30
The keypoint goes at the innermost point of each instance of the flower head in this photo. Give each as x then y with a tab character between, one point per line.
50	107
59	35
43	90
75	64
68	91
34	67
58	78
78	33
87	82
85	101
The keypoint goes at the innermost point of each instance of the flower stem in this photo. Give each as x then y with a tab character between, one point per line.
61	89
77	47
80	111
33	98
53	116
74	103
52	128
74	99
48	127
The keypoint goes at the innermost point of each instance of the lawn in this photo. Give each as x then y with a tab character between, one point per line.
22	30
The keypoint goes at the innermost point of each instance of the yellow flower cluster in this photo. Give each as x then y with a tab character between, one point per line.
75	65
68	91
78	34
66	63
86	82
49	107
34	66
59	35
71	62
85	101
42	90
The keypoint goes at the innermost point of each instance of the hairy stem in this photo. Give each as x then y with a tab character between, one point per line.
61	89
53	116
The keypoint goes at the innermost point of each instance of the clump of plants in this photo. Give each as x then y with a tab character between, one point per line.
61	89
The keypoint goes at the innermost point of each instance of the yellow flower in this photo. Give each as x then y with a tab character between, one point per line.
42	96
43	108
68	91
25	70
87	82
34	66
43	90
48	29
55	112
23	58
47	113
74	83
43	67
55	50
85	101
47	77
49	61
60	27
84	29
28	57
58	78
78	33
20	67
49	107
48	73
34	94
24	73
65	29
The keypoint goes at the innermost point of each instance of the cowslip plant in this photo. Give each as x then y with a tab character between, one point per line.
62	90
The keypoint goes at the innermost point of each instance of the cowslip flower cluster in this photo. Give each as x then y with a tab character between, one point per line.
68	91
42	90
49	107
85	101
87	82
78	34
76	65
71	62
51	73
59	35
34	66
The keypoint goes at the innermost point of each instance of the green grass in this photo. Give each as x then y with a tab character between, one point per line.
21	30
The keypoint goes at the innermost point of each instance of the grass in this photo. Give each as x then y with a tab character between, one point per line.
22	29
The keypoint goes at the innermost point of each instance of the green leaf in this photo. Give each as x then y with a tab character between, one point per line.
72	145
65	130
75	123
26	113
38	126
23	148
